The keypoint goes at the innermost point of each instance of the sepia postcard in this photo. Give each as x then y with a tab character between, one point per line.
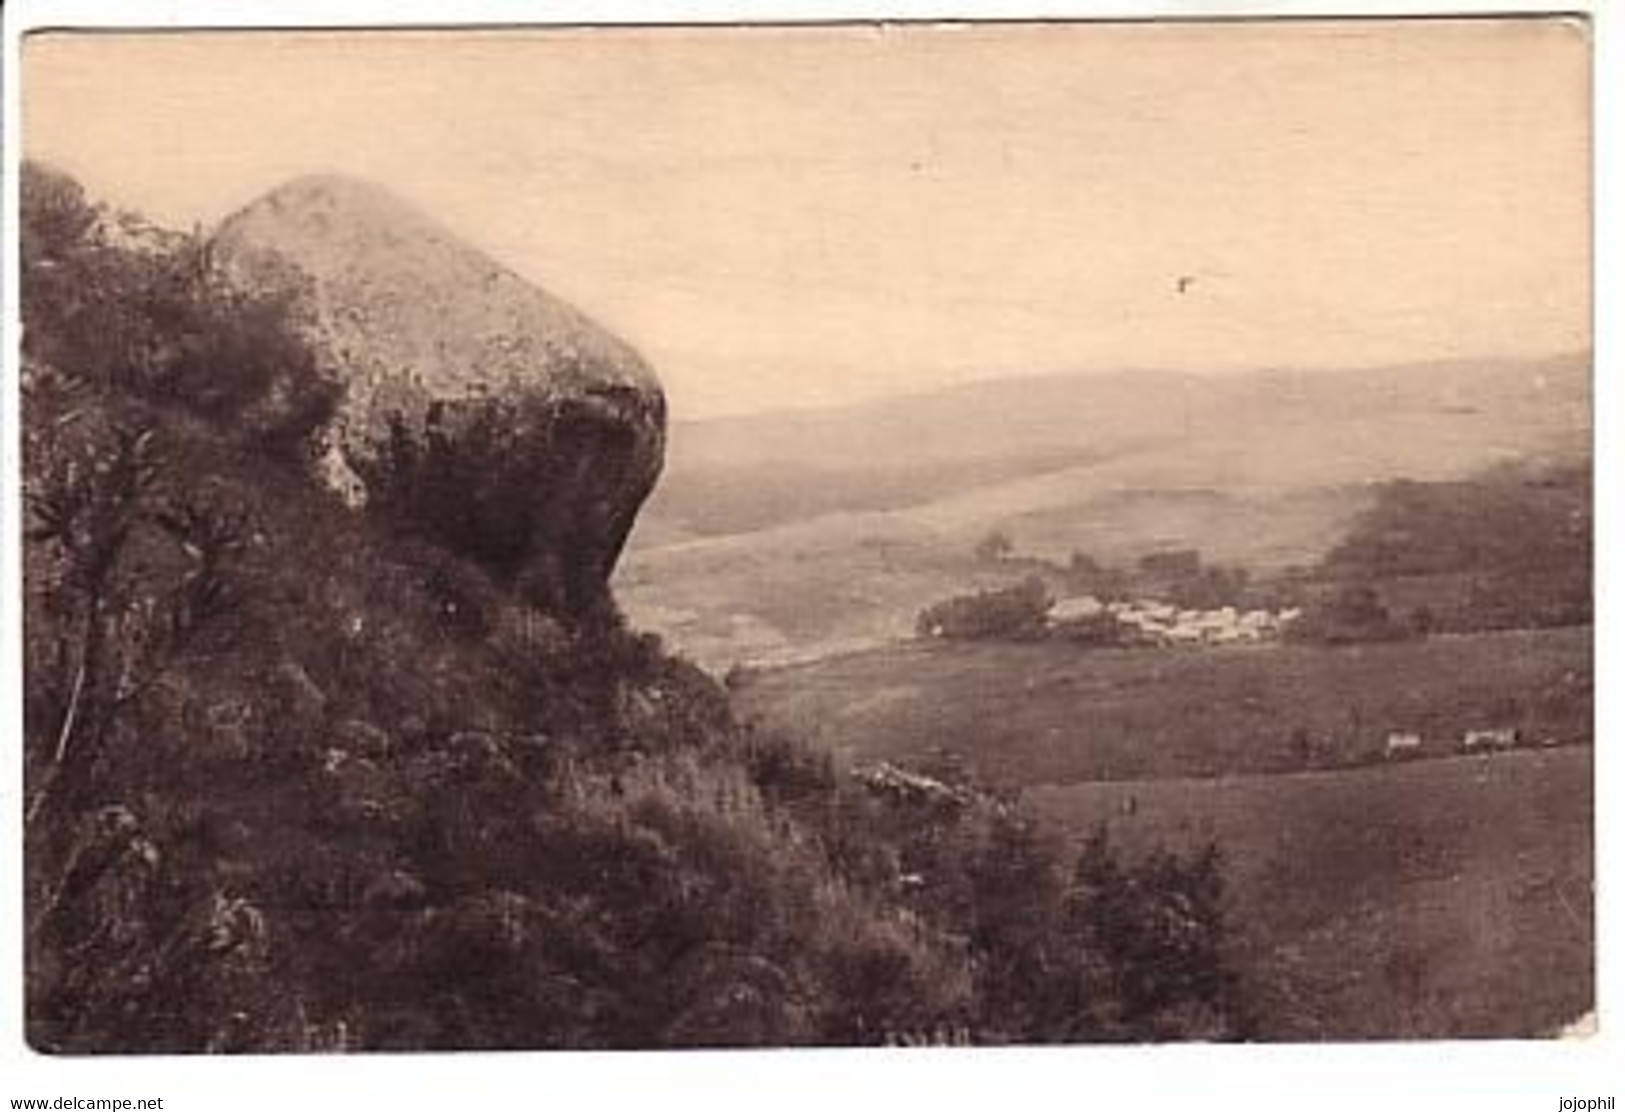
874	533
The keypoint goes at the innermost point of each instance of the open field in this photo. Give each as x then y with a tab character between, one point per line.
1427	898
1025	715
1437	898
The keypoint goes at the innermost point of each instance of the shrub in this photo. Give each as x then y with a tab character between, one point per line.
300	783
1008	613
1347	614
1507	548
146	313
993	547
1070	947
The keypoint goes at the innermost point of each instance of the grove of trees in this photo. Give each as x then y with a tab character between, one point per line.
1511	548
1015	612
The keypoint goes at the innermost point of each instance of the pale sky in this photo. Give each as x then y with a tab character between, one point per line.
801	216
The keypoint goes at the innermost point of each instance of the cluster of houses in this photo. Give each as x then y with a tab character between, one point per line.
1151	622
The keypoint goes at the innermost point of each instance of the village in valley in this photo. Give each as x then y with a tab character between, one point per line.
1153	623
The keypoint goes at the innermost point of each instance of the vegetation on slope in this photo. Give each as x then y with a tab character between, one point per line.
300	779
1443	897
1508	549
1049	713
1424	899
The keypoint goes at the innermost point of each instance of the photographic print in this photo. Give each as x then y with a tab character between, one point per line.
898	534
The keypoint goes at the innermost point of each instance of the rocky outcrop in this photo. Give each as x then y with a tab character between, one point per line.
478	409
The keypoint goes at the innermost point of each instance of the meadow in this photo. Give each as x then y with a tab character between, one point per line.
1021	715
1449	898
1443	896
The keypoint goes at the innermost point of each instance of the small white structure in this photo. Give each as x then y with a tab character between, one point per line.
1400	744
1075	609
1483	741
1154	622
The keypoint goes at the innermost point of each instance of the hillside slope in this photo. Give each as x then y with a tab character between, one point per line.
1435	899
1266	470
1448	896
300	778
1012	416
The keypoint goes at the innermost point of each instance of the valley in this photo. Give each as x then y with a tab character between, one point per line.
1429	894
786	536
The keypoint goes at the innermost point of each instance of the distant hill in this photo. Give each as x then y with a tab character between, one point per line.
1016	416
909	450
787	533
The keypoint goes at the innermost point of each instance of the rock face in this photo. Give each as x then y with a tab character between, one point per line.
478	409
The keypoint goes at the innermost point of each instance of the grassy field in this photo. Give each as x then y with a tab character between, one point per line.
1024	715
1448	898
1445	897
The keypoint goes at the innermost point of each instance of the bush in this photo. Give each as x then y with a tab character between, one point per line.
1067	945
1509	548
134	310
1017	612
299	783
1349	614
993	547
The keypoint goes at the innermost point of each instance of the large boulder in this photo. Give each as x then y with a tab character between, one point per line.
478	409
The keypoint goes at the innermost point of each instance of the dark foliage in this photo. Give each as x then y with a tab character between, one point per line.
1003	613
467	489
1159	928
1348	614
1507	549
1085	574
1180	576
123	306
299	782
995	546
525	487
1094	630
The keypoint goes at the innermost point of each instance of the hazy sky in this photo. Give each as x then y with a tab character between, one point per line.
794	216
